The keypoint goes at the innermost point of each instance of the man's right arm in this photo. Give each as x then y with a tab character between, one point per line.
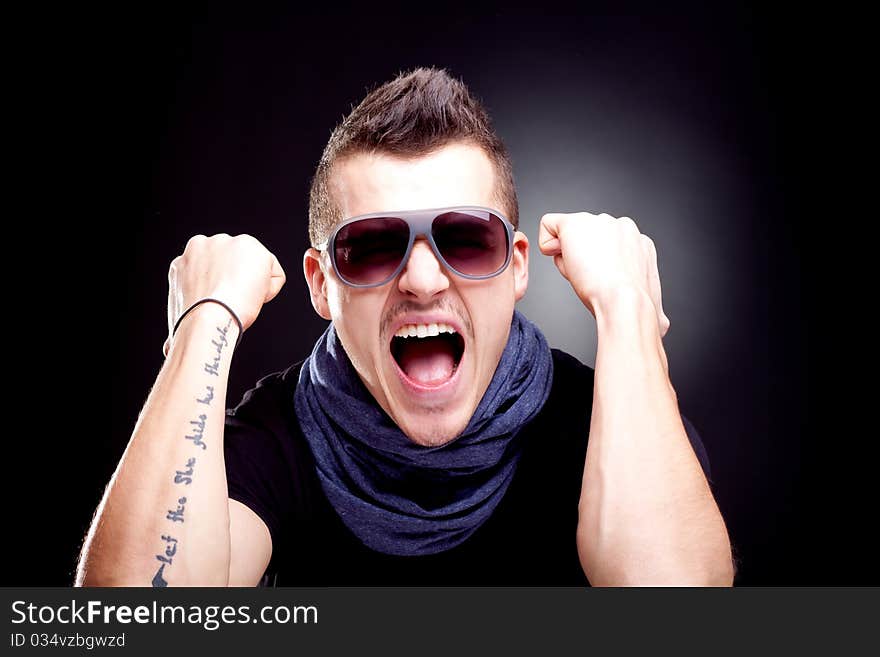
165	518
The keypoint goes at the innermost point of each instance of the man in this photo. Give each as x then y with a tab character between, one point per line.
432	437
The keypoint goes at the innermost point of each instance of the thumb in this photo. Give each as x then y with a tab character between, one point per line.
548	235
277	280
654	288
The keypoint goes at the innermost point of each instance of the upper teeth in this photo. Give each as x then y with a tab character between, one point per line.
423	330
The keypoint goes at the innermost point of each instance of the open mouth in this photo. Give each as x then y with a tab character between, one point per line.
428	354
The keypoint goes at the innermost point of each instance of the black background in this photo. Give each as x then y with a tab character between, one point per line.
143	127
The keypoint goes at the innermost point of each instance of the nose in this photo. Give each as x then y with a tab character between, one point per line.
423	276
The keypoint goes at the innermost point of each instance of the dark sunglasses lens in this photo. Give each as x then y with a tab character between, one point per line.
473	242
368	251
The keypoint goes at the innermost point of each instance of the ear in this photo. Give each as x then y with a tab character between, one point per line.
520	264
317	282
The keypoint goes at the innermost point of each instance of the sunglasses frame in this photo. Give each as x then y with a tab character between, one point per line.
419	222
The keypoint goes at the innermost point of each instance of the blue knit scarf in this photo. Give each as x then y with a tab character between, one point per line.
396	496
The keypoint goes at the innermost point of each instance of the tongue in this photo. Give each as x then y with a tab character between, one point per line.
427	360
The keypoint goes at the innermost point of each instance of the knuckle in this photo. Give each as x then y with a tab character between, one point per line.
194	241
247	242
219	238
627	222
549	219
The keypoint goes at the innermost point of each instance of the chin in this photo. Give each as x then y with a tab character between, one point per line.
430	432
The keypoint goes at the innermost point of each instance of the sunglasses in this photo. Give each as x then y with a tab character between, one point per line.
371	249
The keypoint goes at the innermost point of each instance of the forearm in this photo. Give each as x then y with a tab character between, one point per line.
164	514
646	513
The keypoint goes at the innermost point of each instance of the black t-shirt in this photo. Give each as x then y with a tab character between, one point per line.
529	539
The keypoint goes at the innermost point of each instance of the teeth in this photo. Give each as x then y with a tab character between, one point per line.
423	330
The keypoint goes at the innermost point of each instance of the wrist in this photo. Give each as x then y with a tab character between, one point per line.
625	309
208	322
627	327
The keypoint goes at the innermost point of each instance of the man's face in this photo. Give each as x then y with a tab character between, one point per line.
425	292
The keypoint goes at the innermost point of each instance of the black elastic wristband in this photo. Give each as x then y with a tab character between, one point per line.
212	300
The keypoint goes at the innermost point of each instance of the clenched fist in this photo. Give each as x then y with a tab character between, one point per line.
602	256
238	270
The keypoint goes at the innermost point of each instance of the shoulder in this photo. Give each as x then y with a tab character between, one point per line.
269	397
264	458
566	413
567	366
572	380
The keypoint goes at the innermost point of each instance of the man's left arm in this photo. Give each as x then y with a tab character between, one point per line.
646	514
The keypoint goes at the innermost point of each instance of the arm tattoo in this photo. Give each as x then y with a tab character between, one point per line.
220	343
198	429
184	477
209	395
